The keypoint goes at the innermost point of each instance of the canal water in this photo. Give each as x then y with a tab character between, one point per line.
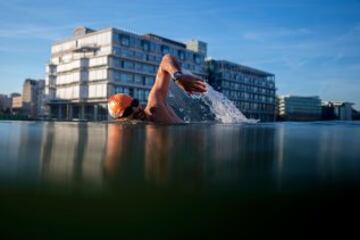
66	179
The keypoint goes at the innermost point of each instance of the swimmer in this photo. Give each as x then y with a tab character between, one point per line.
122	106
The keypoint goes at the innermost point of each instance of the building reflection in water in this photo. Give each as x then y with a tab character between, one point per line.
20	150
208	154
97	154
279	154
185	155
73	152
241	155
316	153
157	154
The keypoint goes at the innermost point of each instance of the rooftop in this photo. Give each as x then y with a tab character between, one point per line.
227	64
159	38
82	31
297	96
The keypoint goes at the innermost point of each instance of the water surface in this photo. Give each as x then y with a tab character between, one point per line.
201	178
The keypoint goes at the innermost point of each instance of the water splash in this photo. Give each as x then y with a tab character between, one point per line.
211	106
225	110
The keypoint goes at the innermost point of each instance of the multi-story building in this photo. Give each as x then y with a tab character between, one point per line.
251	90
16	104
299	108
355	114
336	110
32	97
87	68
5	103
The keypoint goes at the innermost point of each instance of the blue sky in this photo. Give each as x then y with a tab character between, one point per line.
313	47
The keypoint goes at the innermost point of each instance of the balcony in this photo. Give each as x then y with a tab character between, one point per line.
86	48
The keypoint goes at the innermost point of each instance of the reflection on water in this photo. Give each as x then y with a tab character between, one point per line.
206	155
72	153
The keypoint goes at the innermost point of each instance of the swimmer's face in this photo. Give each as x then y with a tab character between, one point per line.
138	113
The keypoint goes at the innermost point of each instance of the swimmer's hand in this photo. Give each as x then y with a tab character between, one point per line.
190	83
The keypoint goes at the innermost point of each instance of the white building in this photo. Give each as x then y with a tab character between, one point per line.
90	66
299	108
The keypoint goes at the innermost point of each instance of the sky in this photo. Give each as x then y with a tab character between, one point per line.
312	47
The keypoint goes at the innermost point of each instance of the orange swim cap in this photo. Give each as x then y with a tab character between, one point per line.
118	103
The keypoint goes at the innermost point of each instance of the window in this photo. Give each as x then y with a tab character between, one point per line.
227	75
128	77
225	84
123	77
118	90
138	67
124	90
154	47
197	59
137	43
198	69
165	49
181	55
124	40
141	94
116	51
138	79
146	92
149	81
149	68
135	94
139	55
145	45
151	58
129	65
127	53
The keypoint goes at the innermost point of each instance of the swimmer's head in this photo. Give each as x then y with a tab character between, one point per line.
121	105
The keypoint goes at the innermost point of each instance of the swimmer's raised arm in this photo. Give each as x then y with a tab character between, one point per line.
168	67
157	110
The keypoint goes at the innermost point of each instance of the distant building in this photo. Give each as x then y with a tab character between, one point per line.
197	46
90	66
251	90
5	103
32	97
327	111
17	104
355	114
299	108
15	95
335	110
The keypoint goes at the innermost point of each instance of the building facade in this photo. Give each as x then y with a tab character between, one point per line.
5	103
32	98
299	108
16	104
90	66
251	90
335	110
